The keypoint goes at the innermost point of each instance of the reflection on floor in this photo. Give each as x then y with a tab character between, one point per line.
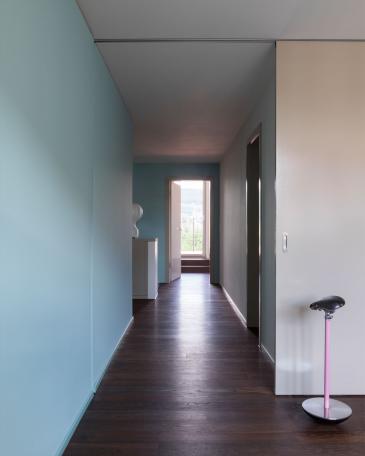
189	380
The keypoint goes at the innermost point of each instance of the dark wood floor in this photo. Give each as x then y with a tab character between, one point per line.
189	380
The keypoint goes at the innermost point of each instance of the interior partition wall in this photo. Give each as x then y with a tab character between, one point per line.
65	211
233	220
320	205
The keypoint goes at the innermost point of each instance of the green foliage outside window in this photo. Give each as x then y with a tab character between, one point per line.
191	235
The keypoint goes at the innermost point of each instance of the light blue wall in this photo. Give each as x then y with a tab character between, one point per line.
150	191
65	205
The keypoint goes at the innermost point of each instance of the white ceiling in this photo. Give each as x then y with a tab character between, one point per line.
188	100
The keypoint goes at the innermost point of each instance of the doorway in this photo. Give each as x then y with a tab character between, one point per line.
253	232
189	225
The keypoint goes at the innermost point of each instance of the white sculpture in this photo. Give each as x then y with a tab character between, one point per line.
137	215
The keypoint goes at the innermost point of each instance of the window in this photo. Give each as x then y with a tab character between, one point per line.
195	204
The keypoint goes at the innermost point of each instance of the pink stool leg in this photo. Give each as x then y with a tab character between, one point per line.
327	363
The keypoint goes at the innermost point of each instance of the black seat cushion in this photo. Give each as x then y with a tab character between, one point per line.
328	304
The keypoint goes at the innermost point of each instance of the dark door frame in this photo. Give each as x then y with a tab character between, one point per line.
257	134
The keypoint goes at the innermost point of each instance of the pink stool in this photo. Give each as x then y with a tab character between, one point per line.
325	408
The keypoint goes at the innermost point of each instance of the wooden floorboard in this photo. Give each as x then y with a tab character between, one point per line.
189	380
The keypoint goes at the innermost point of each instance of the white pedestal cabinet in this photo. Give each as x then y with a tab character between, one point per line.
145	282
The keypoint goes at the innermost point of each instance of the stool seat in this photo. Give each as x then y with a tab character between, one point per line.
329	304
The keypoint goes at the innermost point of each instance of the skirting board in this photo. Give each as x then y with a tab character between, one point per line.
79	416
244	322
267	353
74	425
235	308
97	383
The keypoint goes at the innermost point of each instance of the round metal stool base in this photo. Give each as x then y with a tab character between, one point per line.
338	411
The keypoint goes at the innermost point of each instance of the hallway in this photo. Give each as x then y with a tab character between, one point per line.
188	380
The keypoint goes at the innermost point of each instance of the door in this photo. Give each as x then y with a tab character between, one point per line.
175	231
253	233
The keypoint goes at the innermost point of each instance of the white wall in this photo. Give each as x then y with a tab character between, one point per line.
320	203
233	206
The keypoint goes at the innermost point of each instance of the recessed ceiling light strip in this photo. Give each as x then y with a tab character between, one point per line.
181	40
217	40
